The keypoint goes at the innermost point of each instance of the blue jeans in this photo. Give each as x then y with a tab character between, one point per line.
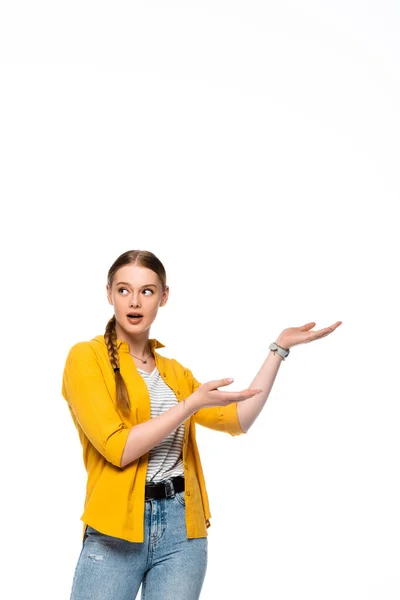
167	564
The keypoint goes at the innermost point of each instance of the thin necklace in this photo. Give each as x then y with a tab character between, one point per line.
143	361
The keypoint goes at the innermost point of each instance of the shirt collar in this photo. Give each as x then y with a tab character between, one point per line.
124	346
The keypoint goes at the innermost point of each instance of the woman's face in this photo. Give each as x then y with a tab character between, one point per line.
136	290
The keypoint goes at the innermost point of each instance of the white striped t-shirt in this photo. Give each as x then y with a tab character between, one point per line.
165	460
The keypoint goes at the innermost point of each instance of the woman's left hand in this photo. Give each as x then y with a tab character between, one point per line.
301	335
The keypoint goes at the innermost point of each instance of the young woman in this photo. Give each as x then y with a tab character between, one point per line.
146	510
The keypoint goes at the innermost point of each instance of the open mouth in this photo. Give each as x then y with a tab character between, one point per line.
134	317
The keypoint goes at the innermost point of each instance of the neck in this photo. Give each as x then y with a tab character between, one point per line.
138	344
144	353
140	349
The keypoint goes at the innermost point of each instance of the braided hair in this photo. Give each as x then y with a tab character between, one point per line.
141	258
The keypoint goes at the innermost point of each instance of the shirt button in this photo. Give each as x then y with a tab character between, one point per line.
164	374
179	393
187	493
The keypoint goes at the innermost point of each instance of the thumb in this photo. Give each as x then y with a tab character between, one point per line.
213	385
307	326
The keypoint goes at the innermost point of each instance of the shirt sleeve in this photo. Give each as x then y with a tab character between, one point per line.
85	390
220	418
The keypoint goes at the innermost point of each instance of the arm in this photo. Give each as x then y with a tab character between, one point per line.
149	434
248	410
220	418
85	390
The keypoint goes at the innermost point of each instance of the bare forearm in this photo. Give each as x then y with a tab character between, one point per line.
248	410
149	434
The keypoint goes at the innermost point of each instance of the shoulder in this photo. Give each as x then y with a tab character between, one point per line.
88	348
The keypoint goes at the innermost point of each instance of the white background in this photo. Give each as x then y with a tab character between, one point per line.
254	148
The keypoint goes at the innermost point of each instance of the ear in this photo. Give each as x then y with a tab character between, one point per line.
165	296
108	290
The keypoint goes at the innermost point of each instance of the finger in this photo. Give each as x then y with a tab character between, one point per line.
320	334
237	396
247	394
327	330
307	326
212	385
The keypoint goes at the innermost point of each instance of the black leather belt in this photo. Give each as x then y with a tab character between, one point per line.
165	489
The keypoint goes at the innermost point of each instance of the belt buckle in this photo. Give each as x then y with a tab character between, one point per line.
169	488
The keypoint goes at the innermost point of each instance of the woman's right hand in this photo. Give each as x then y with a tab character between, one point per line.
207	394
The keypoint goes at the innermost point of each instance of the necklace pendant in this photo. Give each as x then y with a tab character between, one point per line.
144	361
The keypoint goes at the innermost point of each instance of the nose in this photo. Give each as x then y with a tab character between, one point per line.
135	301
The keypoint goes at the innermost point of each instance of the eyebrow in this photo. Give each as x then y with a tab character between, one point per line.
125	283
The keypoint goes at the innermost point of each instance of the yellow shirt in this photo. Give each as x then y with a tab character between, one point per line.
114	502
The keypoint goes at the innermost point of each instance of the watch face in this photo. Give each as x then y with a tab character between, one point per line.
283	352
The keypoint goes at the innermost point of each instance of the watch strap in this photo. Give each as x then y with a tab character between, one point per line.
283	352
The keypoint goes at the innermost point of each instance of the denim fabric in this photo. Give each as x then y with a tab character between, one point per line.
167	564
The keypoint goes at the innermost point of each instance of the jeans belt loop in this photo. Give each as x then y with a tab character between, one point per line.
169	488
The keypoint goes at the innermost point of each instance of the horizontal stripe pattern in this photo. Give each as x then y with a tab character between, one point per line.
165	459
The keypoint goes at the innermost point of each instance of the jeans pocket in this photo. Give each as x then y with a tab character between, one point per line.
95	533
90	529
180	496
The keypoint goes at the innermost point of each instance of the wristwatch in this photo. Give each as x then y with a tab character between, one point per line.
283	352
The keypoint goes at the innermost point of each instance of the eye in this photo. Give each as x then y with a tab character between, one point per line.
146	290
